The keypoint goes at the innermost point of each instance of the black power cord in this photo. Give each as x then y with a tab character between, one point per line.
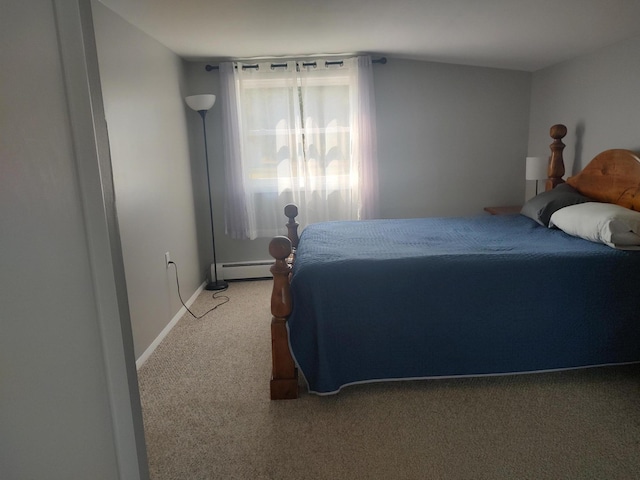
216	296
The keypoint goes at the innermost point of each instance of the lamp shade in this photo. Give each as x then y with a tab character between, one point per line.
200	102
537	168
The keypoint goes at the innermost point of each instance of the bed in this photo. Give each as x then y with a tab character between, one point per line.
383	300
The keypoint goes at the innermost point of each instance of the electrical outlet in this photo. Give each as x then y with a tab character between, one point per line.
167	259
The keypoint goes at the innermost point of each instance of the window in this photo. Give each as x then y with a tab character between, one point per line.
294	134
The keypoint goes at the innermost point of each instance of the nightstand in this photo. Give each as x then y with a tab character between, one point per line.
512	210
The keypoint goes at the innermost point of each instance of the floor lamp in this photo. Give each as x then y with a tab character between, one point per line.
202	104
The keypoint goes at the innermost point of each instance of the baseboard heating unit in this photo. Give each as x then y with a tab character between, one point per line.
244	270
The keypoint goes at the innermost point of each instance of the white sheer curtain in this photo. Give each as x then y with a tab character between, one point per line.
364	137
298	133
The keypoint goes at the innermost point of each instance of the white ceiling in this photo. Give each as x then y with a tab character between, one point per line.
513	34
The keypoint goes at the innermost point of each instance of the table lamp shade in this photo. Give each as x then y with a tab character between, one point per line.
537	168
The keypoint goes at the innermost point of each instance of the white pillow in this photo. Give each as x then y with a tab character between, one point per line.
606	223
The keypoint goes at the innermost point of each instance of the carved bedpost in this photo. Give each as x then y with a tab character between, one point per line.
556	162
284	377
291	211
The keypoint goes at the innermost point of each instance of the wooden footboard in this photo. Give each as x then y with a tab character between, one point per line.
284	375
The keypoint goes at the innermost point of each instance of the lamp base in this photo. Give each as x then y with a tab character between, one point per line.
217	285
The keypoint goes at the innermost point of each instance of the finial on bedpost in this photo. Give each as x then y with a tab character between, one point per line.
291	211
556	162
284	375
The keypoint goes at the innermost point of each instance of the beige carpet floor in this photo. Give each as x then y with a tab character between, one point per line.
207	414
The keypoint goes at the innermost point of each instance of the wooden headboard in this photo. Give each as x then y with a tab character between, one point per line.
613	176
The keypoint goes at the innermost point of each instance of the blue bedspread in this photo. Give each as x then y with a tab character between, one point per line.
416	298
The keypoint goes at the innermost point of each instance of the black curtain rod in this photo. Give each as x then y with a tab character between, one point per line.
382	61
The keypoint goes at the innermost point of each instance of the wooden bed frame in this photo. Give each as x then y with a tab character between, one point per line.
612	176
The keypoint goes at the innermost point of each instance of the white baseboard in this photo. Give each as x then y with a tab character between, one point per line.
147	353
244	270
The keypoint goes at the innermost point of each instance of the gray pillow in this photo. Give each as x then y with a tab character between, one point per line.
542	206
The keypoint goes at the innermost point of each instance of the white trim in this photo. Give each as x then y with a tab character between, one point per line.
147	353
76	41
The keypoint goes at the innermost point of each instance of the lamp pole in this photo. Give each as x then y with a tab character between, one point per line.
202	104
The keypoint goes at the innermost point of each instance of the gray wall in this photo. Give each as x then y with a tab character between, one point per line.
596	97
65	397
452	140
142	84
